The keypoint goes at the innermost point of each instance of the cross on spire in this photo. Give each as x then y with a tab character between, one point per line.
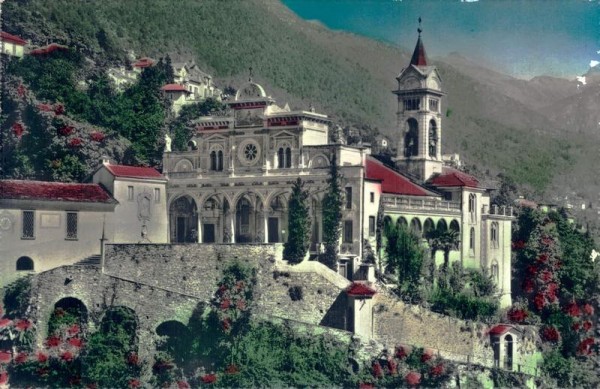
419	58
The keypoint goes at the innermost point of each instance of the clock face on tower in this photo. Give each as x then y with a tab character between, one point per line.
249	152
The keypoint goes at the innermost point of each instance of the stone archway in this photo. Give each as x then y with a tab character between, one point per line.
68	311
277	221
249	219
174	339
212	216
183	220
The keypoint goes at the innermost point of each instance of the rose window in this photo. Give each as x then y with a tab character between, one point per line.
250	152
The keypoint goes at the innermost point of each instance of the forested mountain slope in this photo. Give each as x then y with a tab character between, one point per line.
496	122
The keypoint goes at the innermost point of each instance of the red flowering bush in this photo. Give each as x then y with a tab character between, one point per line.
75	142
401	352
517	315
427	356
392	366
97	136
588	309
21	90
23	325
45	107
437	370
5	356
209	378
134	383
550	334
183	385
376	370
587	325
585	346
518	245
18	128
572	309
66	130
133	359
59	109
413	378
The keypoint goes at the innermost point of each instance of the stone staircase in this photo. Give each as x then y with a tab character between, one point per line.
92	260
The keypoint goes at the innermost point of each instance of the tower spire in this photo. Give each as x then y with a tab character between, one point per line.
419	57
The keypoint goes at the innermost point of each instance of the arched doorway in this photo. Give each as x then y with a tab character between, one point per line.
509	344
277	221
213	220
25	264
249	219
183	217
67	312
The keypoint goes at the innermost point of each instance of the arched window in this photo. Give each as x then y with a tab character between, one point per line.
442	226
473	207
213	160
509	347
411	139
24	264
428	228
494	272
402	222
433	138
387	221
284	157
454	226
415	226
472	239
494	235
219	160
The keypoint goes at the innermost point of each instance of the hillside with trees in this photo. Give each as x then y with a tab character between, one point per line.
497	123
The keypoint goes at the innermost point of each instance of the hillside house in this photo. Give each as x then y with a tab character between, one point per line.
12	45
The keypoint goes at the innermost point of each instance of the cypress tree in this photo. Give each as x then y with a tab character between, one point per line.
332	215
299	224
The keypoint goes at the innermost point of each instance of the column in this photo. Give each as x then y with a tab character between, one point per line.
199	229
266	226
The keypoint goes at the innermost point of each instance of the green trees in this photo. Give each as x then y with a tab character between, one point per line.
296	247
332	215
181	127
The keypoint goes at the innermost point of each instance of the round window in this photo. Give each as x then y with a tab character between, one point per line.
249	152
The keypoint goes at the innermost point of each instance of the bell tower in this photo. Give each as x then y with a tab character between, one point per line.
419	116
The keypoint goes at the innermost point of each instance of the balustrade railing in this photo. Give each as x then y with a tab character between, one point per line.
397	202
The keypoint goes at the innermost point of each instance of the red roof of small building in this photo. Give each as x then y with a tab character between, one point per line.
53	191
453	177
500	329
133	171
12	38
143	63
392	181
419	57
174	88
48	49
360	289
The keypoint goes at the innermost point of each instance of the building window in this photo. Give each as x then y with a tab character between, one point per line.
71	225
284	157
495	273
24	264
28	225
411	139
219	160
472	207
472	240
434	105
157	195
216	160
371	225
348	197
494	235
372	196
130	193
412	104
433	139
348	231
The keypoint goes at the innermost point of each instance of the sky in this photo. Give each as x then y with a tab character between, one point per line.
524	38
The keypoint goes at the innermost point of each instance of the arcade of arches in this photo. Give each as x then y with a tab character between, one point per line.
248	221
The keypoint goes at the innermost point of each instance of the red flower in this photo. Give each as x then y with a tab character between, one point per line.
53	341
183	385
75	142
547	241
587	325
5	356
45	107
76	342
59	109
133	359
66	356
73	330
23	325
5	322
377	371
551	292
222	289
392	366
546	275
588	309
427	356
517	315
539	301
134	383
232	369
20	358
41	357
66	130
241	305
401	352
21	90
413	378
585	346
209	378
572	309
576	326
226	324
528	285
542	258
226	303
550	334
437	370
532	269
3	378
18	129
97	136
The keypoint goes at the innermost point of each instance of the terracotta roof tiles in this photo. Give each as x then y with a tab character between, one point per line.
53	191
393	181
453	177
360	289
12	38
133	171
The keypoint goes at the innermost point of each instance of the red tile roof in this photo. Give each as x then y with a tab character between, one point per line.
53	191
12	38
500	329
360	289
133	171
48	49
419	57
453	177
393	181
143	63
174	88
